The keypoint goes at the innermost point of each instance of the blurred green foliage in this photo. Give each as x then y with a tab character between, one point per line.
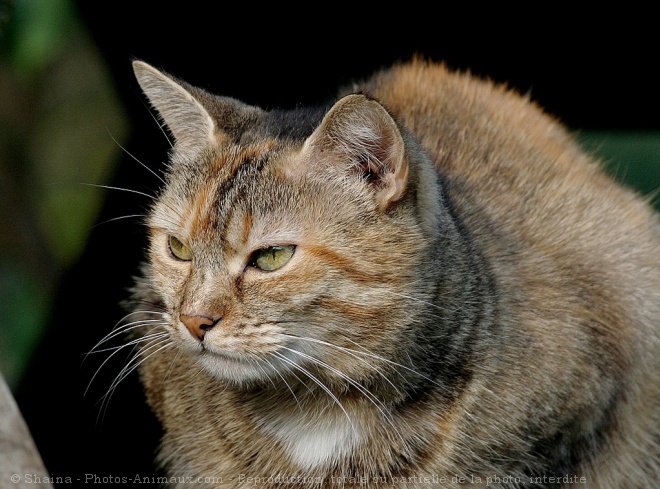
631	157
38	32
59	115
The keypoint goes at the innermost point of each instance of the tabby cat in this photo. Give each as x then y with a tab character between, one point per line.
426	283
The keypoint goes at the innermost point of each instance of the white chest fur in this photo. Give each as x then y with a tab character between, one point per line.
314	442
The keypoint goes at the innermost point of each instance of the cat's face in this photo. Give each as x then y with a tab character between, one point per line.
276	257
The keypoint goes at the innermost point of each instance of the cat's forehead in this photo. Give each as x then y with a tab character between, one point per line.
224	167
239	161
203	196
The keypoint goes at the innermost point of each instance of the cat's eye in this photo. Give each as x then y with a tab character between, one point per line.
272	258
179	250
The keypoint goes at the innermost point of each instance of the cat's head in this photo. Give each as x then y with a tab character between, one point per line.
288	243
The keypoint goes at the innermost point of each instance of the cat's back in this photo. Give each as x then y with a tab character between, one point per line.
509	168
574	255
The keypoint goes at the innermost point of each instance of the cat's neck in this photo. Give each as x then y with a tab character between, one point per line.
318	429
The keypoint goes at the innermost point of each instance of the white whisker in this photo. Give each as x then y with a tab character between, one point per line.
145	166
310	376
110	187
130	343
172	365
116	331
286	383
159	124
390	362
129	216
409	297
378	404
137	360
349	352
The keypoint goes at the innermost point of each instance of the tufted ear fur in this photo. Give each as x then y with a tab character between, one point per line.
358	134
189	122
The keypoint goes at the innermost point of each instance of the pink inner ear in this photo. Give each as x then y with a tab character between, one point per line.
393	185
382	164
359	136
386	164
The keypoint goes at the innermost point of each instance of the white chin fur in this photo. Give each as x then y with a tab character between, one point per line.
234	370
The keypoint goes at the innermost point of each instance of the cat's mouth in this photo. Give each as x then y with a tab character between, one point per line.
209	352
242	352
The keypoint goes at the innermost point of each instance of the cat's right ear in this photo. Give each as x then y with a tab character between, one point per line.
189	122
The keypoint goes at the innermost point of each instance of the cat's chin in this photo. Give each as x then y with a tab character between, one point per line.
232	368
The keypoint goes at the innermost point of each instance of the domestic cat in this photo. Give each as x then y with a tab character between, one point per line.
425	283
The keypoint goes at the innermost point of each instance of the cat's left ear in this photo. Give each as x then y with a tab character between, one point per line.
186	118
361	137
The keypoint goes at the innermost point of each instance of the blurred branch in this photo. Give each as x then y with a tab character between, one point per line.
18	454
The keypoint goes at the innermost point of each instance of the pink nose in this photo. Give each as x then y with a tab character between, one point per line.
198	325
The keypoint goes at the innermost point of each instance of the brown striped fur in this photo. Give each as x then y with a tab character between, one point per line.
471	301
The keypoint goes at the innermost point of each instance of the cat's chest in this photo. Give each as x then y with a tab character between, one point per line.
313	441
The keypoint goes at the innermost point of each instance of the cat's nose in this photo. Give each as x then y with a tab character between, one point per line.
198	325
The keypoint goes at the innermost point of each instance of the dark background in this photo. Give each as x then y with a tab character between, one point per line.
593	74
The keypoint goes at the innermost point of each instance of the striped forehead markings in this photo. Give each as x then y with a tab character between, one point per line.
231	160
248	165
231	178
200	220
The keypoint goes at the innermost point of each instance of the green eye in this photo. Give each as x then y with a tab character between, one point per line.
179	250
273	258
